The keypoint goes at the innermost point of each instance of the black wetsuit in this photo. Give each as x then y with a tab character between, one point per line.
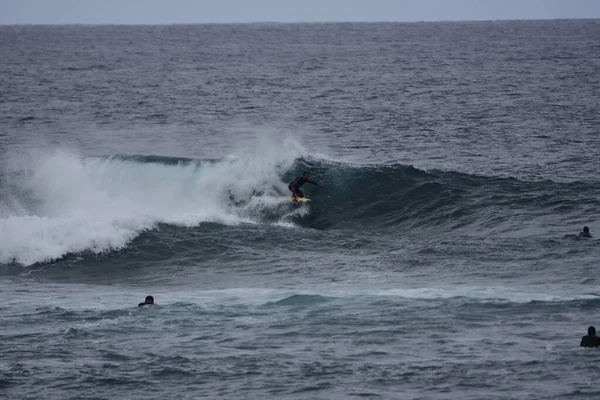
585	234
296	183
590	341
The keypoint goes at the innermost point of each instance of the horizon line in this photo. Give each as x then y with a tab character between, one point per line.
298	22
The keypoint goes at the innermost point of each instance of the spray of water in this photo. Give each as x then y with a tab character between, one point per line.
56	202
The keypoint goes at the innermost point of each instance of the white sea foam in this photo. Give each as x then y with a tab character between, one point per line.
56	202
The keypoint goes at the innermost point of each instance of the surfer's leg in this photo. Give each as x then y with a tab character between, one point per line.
295	191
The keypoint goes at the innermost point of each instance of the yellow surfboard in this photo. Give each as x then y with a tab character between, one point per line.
301	199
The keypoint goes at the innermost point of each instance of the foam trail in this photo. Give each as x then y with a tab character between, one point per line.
58	202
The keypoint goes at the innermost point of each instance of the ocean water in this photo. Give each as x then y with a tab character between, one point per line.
439	262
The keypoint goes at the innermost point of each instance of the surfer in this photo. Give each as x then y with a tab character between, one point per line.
590	340
294	186
149	300
585	233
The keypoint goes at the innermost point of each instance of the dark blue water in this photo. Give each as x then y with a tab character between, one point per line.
439	262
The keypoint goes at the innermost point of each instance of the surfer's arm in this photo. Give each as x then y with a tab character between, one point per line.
315	183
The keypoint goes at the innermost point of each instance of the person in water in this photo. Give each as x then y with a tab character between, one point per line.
294	186
585	233
149	300
590	340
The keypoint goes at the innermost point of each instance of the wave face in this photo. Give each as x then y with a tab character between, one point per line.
61	203
404	198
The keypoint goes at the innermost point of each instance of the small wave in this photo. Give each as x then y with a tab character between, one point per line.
87	68
488	295
301	300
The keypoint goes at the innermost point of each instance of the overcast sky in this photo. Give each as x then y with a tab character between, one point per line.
198	11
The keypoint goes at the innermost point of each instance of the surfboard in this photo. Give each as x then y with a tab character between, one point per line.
300	199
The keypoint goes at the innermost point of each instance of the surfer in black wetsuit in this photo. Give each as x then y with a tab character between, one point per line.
149	300
294	186
590	340
585	233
